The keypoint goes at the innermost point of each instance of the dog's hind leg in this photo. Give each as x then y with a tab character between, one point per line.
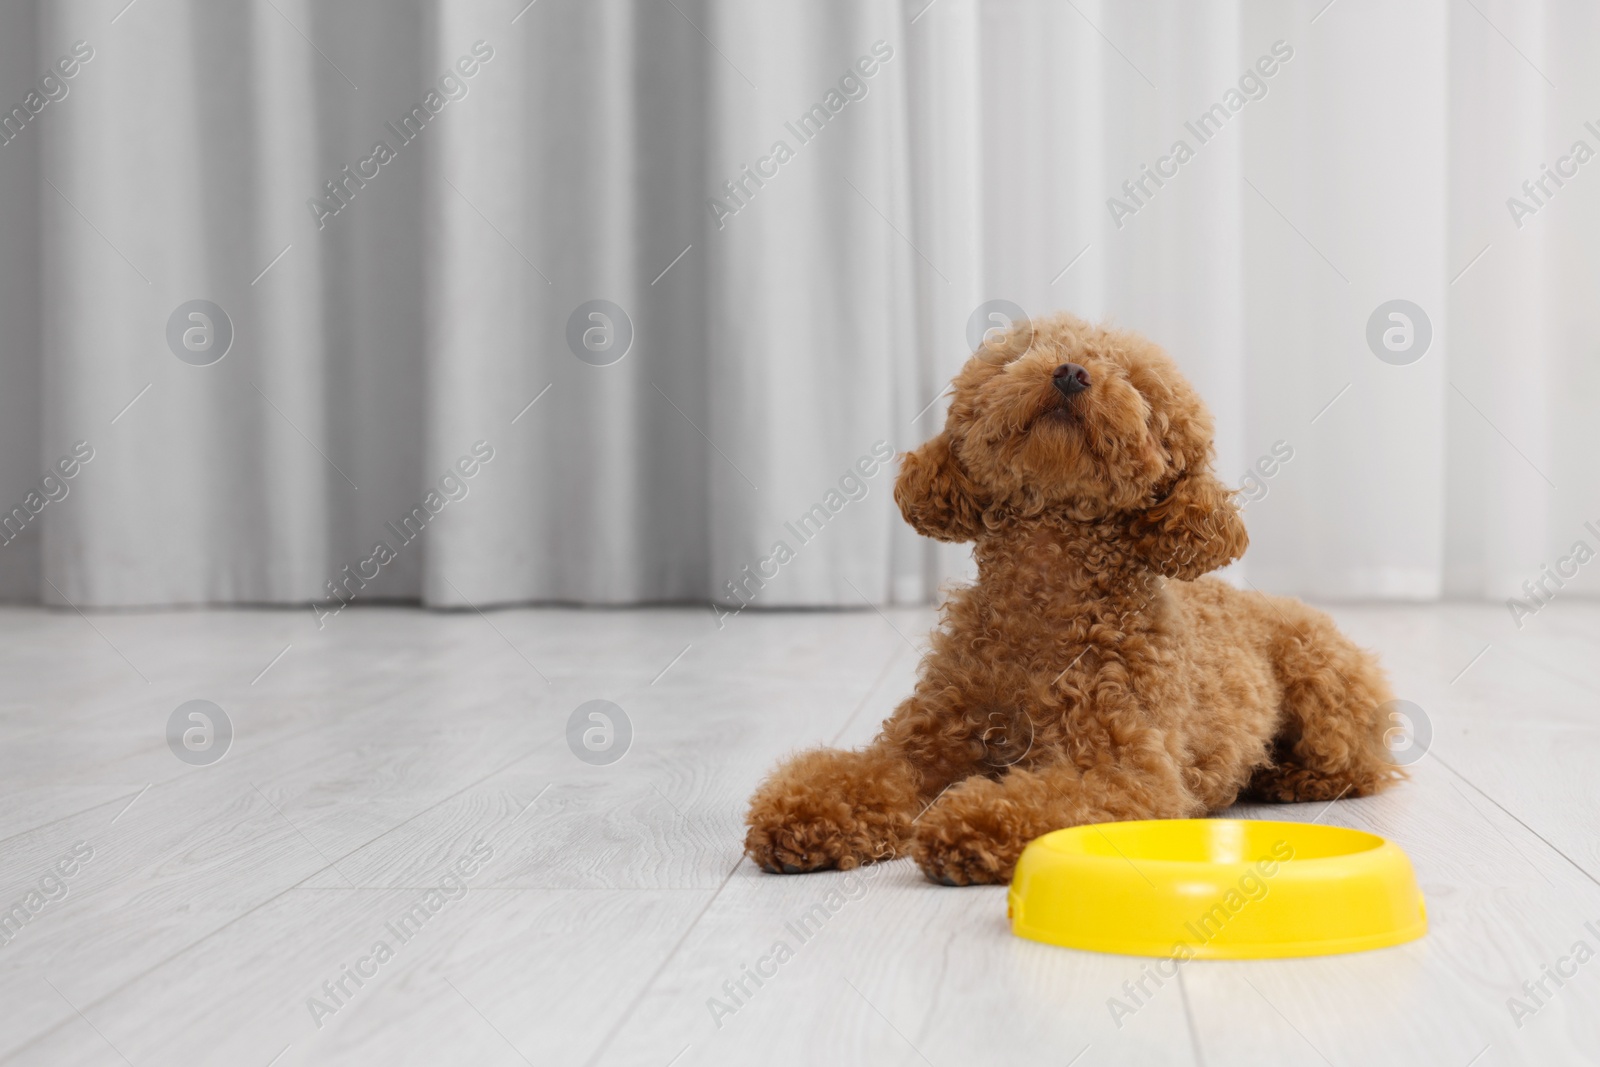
1330	736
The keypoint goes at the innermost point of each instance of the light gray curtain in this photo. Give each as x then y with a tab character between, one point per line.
414	341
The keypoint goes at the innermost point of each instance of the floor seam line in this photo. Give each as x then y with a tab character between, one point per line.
1188	1017
183	774
1547	842
644	990
246	914
871	689
70	815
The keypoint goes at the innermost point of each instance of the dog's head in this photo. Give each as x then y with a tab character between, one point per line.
1061	418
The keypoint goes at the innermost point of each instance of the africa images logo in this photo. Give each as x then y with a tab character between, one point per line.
337	992
737	192
199	332
452	85
1252	85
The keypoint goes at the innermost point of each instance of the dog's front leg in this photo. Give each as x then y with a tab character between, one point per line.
832	808
976	831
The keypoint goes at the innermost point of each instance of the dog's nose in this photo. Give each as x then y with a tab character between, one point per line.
1070	379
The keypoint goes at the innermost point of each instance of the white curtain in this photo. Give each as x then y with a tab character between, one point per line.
785	312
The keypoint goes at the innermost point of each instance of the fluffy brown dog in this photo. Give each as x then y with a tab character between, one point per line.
1091	674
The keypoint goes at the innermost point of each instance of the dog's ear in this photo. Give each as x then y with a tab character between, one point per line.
1193	528
935	495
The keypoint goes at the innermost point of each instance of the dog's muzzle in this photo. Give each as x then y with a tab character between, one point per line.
1070	379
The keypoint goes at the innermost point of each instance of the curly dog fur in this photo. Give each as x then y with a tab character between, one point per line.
1091	673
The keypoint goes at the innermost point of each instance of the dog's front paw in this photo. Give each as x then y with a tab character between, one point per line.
800	841
829	809
972	835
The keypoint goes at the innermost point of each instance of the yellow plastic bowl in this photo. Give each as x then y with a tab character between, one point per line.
1215	889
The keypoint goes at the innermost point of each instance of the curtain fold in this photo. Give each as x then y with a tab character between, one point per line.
628	301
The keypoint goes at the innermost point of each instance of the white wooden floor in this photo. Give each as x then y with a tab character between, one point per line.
219	899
